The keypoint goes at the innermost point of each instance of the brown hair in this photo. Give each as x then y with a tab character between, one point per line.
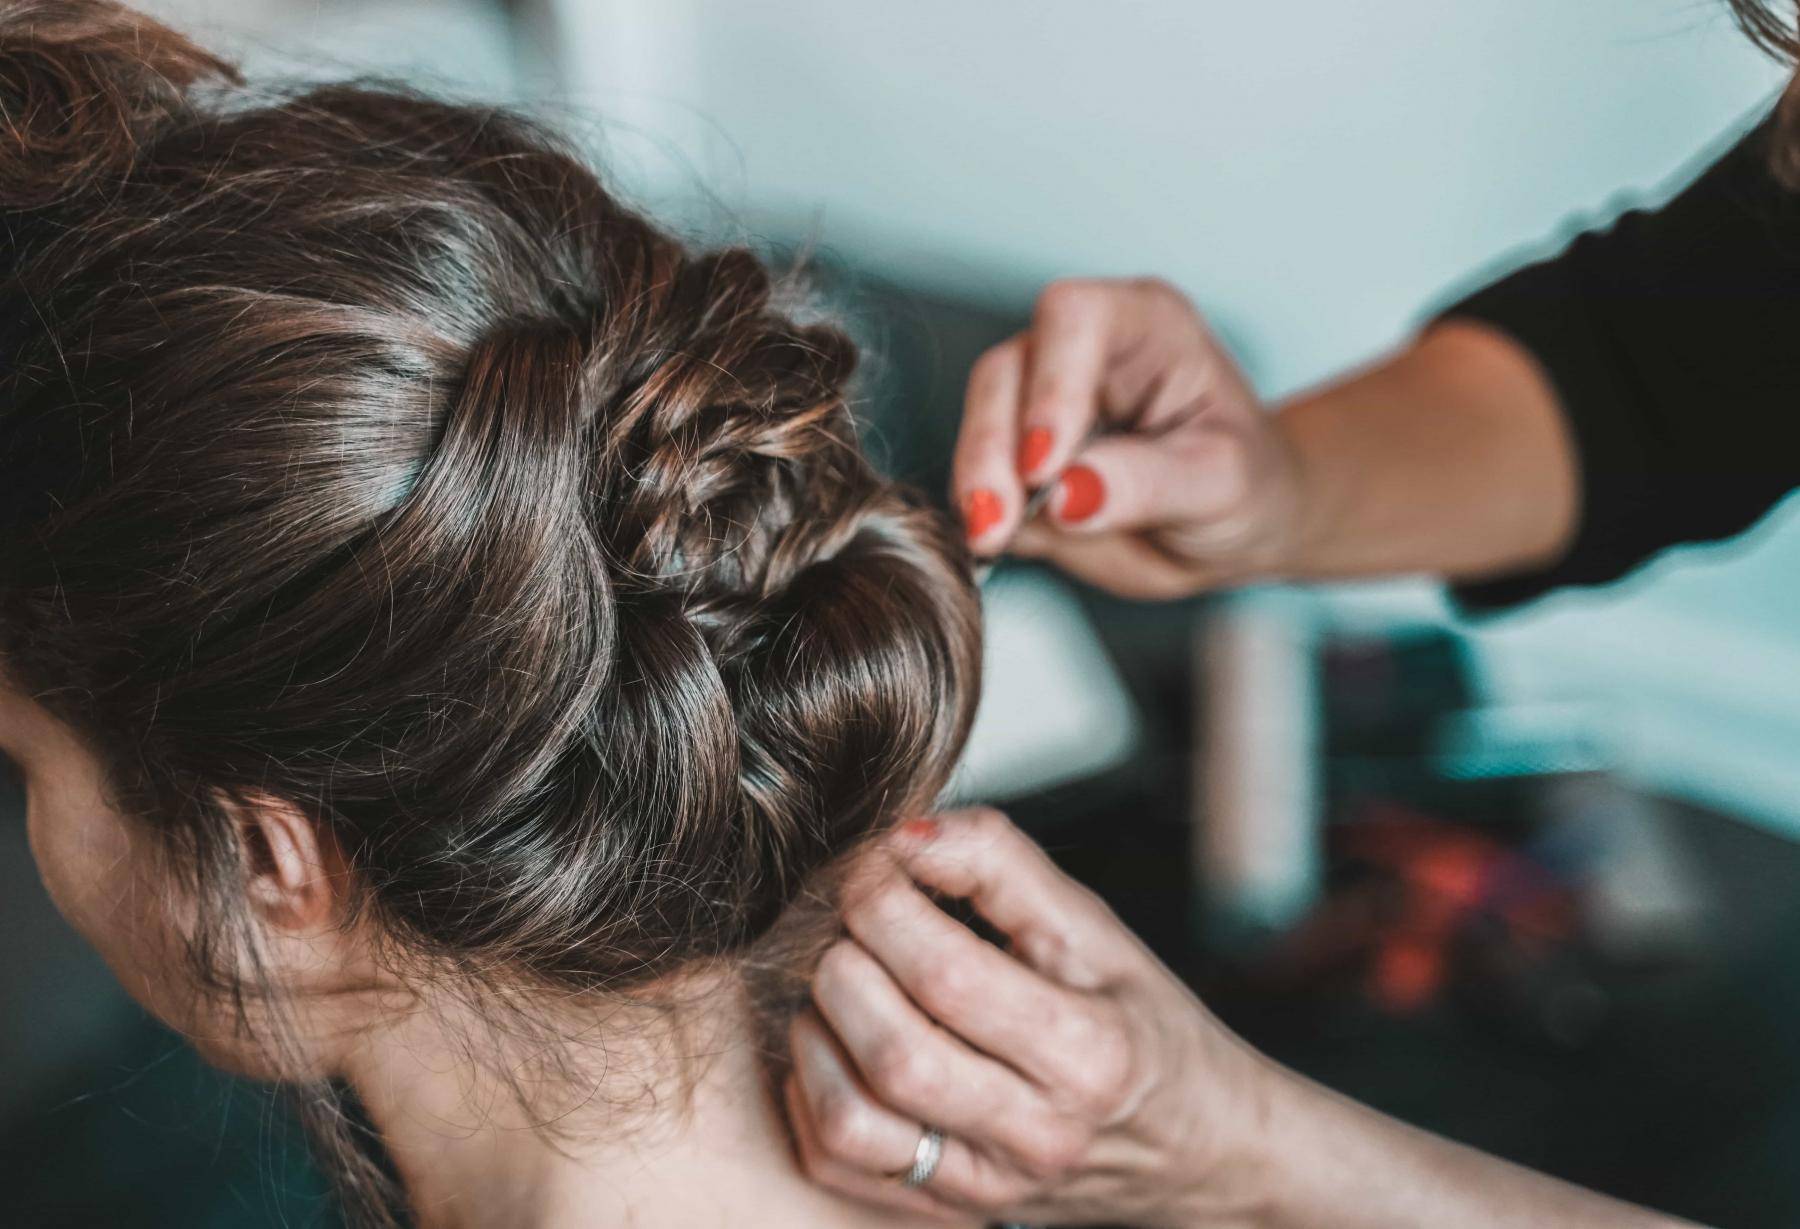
1774	26
362	450
1771	25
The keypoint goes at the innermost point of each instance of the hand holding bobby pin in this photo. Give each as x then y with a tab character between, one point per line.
1156	470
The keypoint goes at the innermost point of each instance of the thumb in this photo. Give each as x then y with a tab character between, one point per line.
1133	483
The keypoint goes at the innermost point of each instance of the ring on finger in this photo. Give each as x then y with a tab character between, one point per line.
927	1155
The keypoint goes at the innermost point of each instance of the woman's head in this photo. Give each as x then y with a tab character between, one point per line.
375	484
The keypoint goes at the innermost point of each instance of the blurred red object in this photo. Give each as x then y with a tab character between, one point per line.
1418	887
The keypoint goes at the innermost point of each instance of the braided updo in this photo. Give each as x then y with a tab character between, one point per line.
361	450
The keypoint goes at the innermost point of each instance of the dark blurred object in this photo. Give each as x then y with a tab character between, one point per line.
58	1003
149	1137
1479	859
1614	1001
1404	713
1388	695
1517	925
106	1118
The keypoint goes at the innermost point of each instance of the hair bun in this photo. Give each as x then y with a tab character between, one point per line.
82	84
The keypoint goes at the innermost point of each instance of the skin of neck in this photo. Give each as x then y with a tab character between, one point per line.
632	1116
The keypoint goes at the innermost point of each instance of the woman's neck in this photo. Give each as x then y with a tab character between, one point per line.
699	1153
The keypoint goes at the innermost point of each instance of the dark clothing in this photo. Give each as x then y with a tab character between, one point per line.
1673	341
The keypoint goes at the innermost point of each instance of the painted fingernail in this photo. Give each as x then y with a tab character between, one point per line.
981	512
919	829
1034	450
1082	493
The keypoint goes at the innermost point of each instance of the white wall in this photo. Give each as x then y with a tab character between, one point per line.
1315	173
1312	171
459	45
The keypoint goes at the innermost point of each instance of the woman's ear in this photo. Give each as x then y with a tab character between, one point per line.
295	875
296	885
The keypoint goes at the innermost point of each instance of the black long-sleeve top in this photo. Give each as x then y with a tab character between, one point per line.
1672	338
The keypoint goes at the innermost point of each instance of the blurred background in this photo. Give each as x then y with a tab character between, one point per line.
1531	883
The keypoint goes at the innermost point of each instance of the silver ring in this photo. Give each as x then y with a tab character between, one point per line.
926	1155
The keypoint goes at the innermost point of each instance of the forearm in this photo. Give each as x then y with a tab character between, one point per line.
1451	458
1334	1164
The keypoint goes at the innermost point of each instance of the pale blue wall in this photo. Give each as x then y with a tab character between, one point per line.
1314	173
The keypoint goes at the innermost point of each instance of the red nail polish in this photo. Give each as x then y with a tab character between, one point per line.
919	829
1083	491
981	512
1034	450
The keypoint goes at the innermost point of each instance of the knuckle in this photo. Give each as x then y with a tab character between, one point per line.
983	443
1053	395
882	904
1069	296
1099	1081
947	987
989	823
989	371
1165	294
1053	1148
1047	948
998	1186
836	967
1156	287
962	816
1071	1030
1170	587
1233	474
845	1128
907	1074
1109	1076
1176	313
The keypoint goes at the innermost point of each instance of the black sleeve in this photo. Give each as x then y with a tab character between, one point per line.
1673	341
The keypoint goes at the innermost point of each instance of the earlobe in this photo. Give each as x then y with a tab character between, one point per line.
293	871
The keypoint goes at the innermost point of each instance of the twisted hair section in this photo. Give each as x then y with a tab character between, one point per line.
365	452
361	451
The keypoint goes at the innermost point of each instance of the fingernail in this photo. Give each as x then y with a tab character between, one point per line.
1034	450
1082	493
919	829
981	512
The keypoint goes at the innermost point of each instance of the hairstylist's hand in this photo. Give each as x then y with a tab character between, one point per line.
1075	1078
1192	486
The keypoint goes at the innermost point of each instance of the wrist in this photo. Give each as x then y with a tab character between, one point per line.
1304	543
1282	1163
1232	1174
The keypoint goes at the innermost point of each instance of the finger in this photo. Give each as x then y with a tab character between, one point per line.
1190	477
1171	367
846	1139
978	992
915	1067
819	1163
1099	347
864	1186
984	474
1121	563
1056	926
850	1141
1071	330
